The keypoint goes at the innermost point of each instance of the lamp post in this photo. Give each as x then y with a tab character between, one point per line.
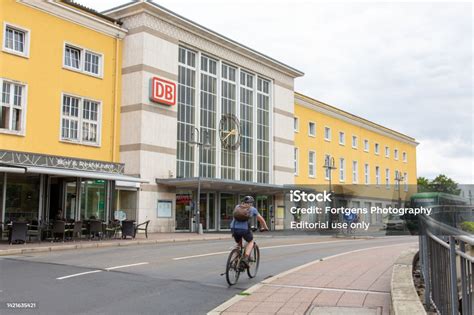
399	178
201	139
329	165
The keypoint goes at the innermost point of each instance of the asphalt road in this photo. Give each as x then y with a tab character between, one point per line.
153	279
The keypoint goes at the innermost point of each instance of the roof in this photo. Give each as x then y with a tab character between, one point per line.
363	121
189	23
90	11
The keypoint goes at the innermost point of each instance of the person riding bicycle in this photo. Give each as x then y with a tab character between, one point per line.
240	225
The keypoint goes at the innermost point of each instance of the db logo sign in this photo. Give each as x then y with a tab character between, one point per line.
163	91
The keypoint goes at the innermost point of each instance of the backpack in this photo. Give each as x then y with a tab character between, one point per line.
241	213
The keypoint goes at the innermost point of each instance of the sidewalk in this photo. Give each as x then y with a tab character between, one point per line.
350	283
153	238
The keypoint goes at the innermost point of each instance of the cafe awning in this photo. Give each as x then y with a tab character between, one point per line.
83	174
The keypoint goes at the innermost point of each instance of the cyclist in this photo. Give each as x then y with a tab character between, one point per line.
240	225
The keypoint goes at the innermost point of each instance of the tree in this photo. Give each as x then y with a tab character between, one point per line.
423	184
441	183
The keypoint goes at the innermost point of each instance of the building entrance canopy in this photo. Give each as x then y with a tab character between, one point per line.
224	185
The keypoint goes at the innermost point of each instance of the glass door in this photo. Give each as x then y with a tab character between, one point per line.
184	211
69	212
211	210
227	204
262	205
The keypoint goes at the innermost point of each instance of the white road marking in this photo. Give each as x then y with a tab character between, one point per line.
267	247
96	271
125	266
78	274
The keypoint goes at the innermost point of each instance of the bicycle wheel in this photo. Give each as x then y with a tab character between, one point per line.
254	261
232	271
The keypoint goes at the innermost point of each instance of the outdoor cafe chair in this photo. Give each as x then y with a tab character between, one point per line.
34	229
95	228
128	228
59	227
76	230
18	232
112	229
142	227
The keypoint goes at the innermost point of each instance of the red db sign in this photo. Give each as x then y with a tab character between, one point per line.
163	91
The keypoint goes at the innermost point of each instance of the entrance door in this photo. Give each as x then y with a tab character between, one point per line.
227	204
263	206
207	211
184	211
70	192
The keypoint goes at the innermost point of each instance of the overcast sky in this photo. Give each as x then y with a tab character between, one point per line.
407	66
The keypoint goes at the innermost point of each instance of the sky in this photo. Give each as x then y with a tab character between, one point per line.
407	66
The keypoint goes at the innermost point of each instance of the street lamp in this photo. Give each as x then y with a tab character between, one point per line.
329	165
399	178
201	139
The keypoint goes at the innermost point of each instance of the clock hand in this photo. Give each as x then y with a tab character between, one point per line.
230	133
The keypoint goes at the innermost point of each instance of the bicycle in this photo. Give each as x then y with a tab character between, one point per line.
235	266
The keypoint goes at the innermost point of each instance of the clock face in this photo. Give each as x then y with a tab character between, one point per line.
229	132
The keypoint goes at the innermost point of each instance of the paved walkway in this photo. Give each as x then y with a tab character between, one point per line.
352	283
153	238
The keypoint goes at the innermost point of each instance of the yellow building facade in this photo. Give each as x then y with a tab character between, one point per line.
60	73
371	165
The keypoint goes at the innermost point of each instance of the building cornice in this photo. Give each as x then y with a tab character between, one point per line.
74	15
334	112
137	7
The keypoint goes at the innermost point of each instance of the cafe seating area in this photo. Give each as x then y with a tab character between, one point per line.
22	232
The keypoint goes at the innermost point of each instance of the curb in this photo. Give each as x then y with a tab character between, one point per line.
222	307
405	300
42	249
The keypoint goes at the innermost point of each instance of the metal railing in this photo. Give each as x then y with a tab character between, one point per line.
447	267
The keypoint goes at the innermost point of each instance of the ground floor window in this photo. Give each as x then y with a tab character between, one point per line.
93	199
21	197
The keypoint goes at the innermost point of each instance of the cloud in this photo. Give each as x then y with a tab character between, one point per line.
404	65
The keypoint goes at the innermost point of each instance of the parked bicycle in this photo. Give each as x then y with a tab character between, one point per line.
235	266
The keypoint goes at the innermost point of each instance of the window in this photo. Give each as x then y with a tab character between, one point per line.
295	158
342	138
311	164
354	142
366	174
395	154
404	155
366	145
80	120
92	63
387	178
263	130
342	169
355	172
387	152
311	129
405	178
187	86
16	40
377	175
377	148
12	107
82	60
296	124
327	164
327	133
72	57
228	107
